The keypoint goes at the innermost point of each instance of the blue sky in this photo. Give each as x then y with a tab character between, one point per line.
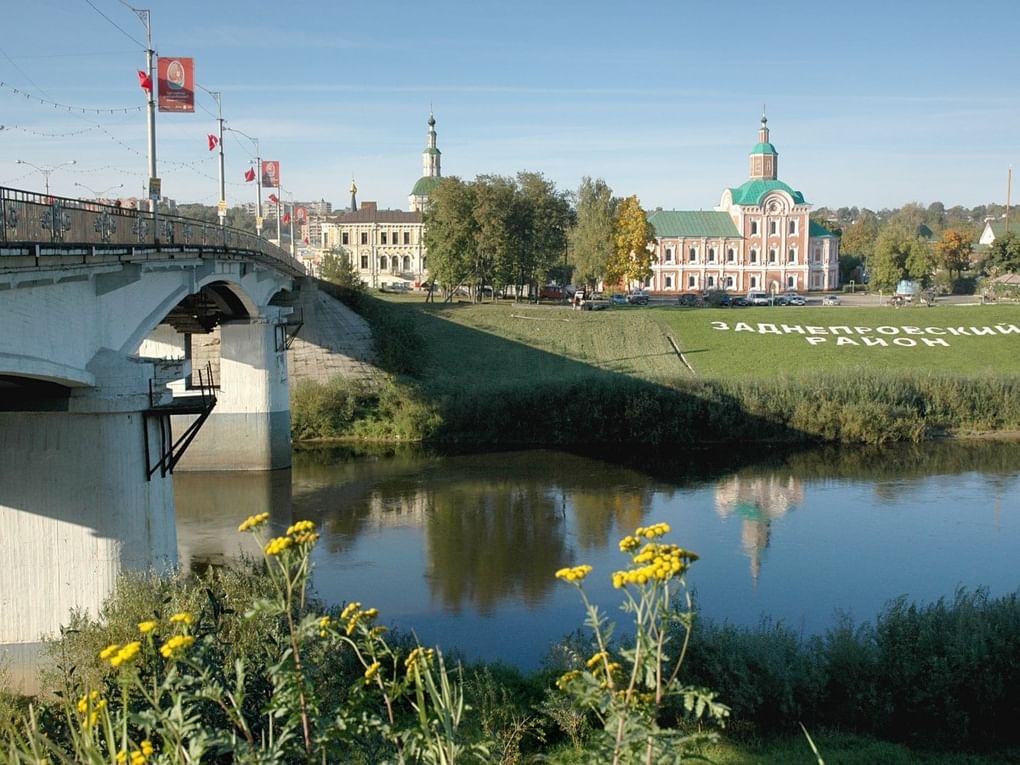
869	103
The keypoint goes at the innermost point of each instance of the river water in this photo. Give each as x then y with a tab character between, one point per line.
462	549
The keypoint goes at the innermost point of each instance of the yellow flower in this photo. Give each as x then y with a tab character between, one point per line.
146	627
349	609
137	758
125	654
147	749
300	527
109	651
122	757
182	618
371	671
176	645
278	545
575	574
600	656
629	543
253	522
567	678
418	656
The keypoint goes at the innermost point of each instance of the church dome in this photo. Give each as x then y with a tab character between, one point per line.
425	185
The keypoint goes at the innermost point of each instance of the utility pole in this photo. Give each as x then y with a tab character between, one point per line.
154	190
221	208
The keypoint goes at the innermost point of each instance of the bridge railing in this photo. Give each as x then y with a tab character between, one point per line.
51	224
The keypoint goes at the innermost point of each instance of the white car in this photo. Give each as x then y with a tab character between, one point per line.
830	300
791	298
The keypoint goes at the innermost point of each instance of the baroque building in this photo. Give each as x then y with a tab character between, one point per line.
759	237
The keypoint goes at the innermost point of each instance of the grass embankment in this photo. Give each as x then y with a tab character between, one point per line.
502	373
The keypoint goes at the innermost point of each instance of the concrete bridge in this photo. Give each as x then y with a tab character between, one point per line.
105	313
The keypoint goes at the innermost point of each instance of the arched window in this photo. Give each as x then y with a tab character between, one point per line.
731	255
692	254
729	282
711	282
407	262
754	256
772	256
791	256
711	254
382	262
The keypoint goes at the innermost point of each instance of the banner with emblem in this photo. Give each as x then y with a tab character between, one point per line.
176	84
270	174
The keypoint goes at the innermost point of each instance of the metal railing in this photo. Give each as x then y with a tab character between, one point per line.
40	225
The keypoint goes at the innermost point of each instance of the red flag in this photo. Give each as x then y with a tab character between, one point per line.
145	81
306	240
213	142
286	217
249	175
274	199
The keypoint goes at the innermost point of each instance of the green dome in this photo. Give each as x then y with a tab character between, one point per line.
764	148
752	192
425	185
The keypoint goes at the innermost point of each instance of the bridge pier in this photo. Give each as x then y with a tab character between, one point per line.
250	427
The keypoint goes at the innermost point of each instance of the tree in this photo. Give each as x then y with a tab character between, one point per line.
451	232
900	254
1003	256
632	233
336	267
858	239
547	216
592	236
953	251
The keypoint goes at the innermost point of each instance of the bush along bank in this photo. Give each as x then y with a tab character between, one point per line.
867	408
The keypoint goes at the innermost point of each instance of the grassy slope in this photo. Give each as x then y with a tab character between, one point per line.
472	344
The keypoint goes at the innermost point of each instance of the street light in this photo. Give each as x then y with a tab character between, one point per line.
98	194
47	170
258	178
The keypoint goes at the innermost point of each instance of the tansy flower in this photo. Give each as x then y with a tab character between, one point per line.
182	618
300	527
176	645
125	654
147	749
575	574
371	671
146	627
122	757
253	522
278	545
109	651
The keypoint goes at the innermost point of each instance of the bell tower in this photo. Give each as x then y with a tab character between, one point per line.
764	159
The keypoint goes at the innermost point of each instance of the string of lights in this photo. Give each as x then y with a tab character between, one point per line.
41	134
84	110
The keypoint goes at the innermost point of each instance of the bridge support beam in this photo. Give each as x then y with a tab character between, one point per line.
76	510
250	427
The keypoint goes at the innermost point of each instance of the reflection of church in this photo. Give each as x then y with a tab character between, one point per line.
757	501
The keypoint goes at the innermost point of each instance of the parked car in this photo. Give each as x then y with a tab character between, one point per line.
757	297
638	298
830	300
618	299
551	292
791	298
689	299
739	301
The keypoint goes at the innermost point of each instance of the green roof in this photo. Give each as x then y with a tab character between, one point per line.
816	229
425	185
764	148
752	192
431	150
679	223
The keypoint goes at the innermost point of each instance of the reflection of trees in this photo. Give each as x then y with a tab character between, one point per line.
596	513
490	543
758	501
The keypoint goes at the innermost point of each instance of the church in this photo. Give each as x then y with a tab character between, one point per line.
759	237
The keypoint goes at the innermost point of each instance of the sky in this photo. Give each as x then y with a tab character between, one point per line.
869	104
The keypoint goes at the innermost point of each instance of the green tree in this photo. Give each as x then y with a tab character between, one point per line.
1003	256
632	233
336	268
592	236
888	264
547	218
953	251
451	233
500	228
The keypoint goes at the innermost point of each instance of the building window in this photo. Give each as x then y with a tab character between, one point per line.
772	256
382	237
731	255
729	282
407	237
711	254
669	282
345	238
754	256
407	262
791	282
669	254
692	281
692	255
772	227
364	262
382	262
754	227
791	256
818	255
793	227
711	282
364	237
754	282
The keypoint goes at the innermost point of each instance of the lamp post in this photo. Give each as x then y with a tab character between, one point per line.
98	194
258	178
47	170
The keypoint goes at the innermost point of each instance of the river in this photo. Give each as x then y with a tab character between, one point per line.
462	548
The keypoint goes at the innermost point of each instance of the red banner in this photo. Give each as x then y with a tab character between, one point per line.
176	79
270	174
301	214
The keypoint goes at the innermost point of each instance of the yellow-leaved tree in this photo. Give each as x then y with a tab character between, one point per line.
632	233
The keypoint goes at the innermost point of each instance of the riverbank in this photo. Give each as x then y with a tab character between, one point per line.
538	375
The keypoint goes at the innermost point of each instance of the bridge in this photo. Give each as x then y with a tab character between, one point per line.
132	343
